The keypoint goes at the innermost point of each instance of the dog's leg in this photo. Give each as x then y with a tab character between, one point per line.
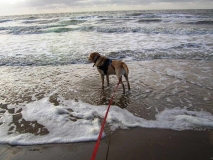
102	80
122	84
107	78
119	76
127	79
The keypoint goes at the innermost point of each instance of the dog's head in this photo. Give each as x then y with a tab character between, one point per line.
93	56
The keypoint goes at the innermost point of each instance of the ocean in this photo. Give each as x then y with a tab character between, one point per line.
49	93
67	38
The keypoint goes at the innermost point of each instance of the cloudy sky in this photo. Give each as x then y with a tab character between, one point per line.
13	7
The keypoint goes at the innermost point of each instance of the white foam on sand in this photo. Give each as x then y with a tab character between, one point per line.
87	121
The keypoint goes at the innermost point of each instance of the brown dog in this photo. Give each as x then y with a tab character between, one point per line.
108	67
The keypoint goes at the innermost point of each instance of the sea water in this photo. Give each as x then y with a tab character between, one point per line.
68	38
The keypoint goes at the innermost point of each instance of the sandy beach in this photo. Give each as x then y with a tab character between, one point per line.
131	144
155	86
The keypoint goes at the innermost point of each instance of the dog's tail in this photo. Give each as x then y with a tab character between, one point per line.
126	68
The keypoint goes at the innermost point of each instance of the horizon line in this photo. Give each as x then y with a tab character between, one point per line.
100	11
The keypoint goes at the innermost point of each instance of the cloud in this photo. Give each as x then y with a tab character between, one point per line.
45	6
40	3
37	3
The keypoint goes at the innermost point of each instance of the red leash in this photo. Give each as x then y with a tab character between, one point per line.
103	124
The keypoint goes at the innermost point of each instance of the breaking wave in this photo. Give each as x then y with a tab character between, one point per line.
63	27
200	22
137	55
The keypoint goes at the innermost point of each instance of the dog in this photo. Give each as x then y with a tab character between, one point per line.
106	66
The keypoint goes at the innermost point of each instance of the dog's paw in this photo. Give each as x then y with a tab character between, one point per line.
107	87
128	92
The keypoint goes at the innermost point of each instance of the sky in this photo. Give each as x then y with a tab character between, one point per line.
17	7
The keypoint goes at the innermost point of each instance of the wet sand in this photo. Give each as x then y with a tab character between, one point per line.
134	144
155	85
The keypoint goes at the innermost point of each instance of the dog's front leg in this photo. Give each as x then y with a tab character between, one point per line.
107	78
102	80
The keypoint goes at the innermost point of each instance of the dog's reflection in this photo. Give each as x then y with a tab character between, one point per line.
120	100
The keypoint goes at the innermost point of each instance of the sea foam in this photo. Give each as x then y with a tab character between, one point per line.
73	121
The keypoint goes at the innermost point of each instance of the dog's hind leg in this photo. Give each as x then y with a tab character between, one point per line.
122	85
127	80
120	79
119	76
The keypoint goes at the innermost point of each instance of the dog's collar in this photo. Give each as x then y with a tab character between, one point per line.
96	60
